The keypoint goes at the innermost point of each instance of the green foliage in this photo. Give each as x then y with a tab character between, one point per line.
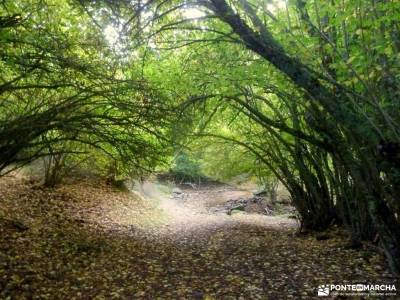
307	94
63	89
185	168
183	164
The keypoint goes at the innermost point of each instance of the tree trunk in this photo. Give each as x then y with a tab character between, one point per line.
337	103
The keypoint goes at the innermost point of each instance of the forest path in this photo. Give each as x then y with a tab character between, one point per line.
188	212
85	240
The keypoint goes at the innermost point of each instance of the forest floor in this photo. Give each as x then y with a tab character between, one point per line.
87	240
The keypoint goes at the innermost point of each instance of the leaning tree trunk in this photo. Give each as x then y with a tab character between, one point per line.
335	103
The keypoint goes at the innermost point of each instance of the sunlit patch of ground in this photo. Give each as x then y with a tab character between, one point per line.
153	212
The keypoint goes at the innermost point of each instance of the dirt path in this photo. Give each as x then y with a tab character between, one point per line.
188	212
85	240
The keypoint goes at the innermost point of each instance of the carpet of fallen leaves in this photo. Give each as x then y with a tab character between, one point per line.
86	240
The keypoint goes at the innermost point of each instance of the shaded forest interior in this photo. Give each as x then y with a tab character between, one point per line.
292	104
